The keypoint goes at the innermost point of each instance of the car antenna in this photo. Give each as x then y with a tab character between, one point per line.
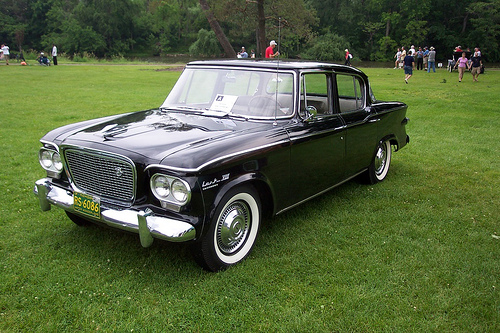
277	72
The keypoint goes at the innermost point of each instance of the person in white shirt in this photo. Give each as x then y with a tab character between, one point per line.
412	51
54	54
6	54
398	57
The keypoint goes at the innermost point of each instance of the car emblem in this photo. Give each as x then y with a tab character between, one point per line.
118	171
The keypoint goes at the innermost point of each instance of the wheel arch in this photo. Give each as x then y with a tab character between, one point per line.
393	140
256	180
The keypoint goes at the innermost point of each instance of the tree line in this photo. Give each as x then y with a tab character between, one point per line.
308	29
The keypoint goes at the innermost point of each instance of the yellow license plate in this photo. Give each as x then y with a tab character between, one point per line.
87	204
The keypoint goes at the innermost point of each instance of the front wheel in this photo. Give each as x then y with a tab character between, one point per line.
232	232
378	169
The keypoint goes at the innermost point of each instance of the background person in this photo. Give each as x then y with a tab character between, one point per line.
426	57
348	58
43	60
54	54
270	50
409	65
6	53
462	64
397	56
243	52
475	66
431	62
403	55
420	59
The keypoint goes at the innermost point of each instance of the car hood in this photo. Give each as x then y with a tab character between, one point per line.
155	134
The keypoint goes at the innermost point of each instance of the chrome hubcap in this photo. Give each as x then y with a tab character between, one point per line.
232	227
380	159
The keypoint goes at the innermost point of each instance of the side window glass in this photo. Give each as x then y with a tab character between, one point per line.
351	94
314	94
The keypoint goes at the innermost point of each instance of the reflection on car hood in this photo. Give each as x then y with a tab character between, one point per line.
155	134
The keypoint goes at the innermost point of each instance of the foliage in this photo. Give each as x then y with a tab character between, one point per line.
206	45
290	21
486	21
327	47
437	23
374	28
415	253
386	49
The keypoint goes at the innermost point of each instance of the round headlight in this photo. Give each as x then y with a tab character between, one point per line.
56	161
46	159
180	191
161	186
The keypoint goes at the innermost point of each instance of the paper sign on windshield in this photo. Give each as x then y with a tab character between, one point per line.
223	103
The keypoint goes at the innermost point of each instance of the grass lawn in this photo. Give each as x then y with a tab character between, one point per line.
418	252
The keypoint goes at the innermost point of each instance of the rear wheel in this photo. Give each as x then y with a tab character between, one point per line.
232	232
378	169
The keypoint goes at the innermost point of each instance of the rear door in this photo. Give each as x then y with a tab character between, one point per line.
360	120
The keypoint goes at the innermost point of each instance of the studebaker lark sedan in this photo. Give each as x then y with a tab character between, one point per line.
234	141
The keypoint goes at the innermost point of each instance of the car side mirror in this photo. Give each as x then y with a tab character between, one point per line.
310	112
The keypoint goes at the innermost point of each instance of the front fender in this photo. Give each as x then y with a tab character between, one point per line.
254	179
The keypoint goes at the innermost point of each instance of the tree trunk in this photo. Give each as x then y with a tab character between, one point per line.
219	33
464	23
261	29
19	33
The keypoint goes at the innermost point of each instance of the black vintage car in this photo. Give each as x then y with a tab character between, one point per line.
234	141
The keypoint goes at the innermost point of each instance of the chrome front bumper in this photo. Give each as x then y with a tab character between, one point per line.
147	225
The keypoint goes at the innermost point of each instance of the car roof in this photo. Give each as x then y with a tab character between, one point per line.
281	64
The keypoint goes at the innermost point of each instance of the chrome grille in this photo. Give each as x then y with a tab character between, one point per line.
109	177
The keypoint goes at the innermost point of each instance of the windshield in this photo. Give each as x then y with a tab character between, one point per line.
237	92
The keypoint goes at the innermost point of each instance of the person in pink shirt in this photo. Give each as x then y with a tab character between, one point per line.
462	64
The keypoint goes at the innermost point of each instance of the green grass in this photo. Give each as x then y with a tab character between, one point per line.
418	252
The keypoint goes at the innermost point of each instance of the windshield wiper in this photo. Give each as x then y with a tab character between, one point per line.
204	112
215	113
179	108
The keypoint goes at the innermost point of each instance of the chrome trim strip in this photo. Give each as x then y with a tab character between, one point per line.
330	130
44	142
147	225
160	166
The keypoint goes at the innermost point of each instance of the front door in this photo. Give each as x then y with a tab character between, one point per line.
317	142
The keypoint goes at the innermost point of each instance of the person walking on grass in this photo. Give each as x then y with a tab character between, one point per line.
348	57
409	66
475	66
462	64
6	54
397	56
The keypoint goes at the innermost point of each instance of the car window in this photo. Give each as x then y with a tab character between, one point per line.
241	92
240	83
197	80
351	94
314	94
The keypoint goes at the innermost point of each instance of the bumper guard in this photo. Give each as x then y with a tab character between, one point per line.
147	225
